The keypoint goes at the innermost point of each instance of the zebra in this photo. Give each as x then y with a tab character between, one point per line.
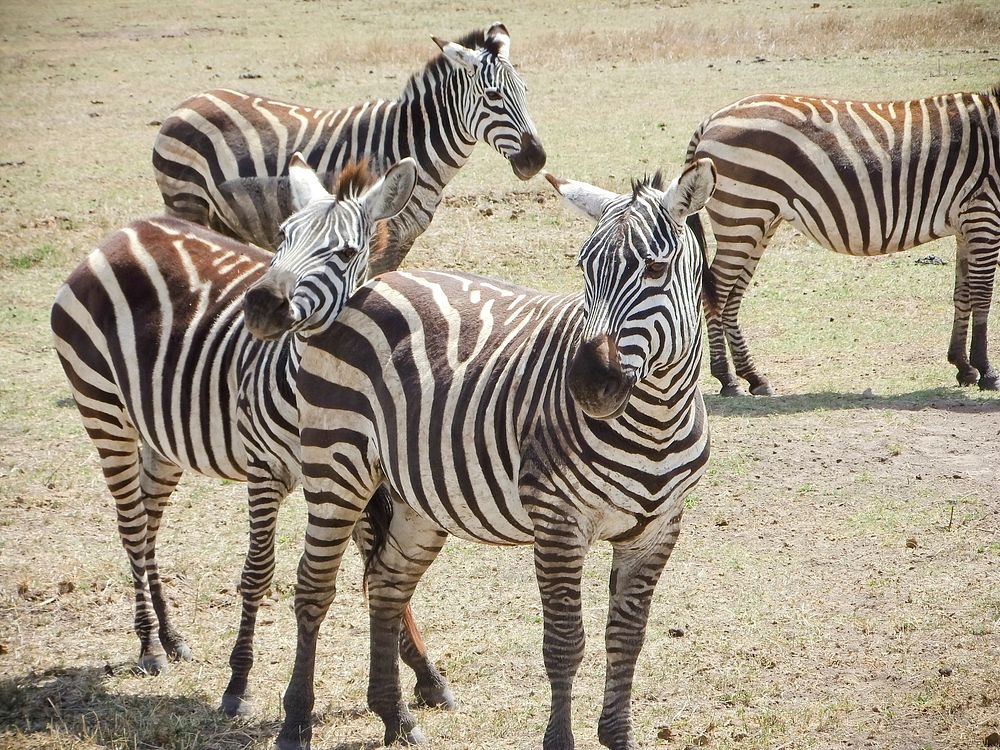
862	178
507	416
151	332
221	158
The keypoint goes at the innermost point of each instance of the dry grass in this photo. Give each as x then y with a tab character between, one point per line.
809	621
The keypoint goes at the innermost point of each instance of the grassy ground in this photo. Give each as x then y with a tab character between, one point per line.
837	580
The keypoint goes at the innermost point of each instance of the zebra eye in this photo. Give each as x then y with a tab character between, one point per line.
655	269
349	251
493	94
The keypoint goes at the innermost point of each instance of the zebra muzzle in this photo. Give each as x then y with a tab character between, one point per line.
530	159
267	312
597	381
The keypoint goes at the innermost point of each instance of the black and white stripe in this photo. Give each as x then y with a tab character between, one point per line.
508	416
221	158
151	332
863	178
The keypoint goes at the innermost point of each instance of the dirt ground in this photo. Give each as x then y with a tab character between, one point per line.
837	582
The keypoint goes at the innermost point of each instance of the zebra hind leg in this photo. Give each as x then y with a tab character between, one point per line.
975	274
411	545
967	374
266	490
371	534
157	482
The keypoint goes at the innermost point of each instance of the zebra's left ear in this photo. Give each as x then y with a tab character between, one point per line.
691	190
389	195
498	34
587	200
461	56
305	185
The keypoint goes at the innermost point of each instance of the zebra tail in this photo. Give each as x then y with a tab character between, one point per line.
378	514
709	293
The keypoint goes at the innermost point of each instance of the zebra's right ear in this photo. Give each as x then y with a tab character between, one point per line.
588	200
461	56
389	195
304	183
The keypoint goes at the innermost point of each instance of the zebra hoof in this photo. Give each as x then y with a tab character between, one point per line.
435	696
283	743
181	652
968	377
763	389
989	382
729	391
235	706
153	663
414	737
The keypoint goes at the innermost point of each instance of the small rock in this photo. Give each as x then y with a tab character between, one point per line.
911	543
66	587
944	671
250	76
722	522
154	123
676	632
867	393
930	260
664	733
4	649
992	740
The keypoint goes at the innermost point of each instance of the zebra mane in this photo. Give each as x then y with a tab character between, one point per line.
353	179
654	181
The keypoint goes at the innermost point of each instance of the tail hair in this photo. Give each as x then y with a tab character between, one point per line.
709	293
378	514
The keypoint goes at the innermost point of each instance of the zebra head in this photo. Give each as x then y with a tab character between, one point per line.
494	109
324	246
642	283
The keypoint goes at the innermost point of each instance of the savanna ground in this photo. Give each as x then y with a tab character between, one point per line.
837	579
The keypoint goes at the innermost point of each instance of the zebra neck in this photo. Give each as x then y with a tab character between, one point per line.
431	126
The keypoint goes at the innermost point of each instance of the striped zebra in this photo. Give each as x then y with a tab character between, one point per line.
221	159
509	416
151	332
862	178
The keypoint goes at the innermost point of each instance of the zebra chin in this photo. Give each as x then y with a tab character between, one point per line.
530	159
266	313
597	381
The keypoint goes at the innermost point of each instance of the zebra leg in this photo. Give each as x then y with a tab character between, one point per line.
967	374
117	445
984	247
635	569
412	545
560	549
157	482
333	512
431	688
266	490
739	247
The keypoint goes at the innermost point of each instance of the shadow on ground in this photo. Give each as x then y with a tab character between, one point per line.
51	708
940	399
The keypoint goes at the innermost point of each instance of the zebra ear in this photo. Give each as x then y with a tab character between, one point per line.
586	199
501	37
691	190
305	185
390	194
461	56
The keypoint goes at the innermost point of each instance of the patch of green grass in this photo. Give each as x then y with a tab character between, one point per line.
33	257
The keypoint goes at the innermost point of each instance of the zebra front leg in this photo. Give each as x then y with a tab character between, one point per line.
331	520
411	545
635	569
560	549
983	252
265	493
158	480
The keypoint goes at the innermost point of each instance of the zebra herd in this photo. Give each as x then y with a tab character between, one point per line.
420	404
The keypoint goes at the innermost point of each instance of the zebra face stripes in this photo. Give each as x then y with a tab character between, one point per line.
457	393
324	252
860	178
640	284
495	106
